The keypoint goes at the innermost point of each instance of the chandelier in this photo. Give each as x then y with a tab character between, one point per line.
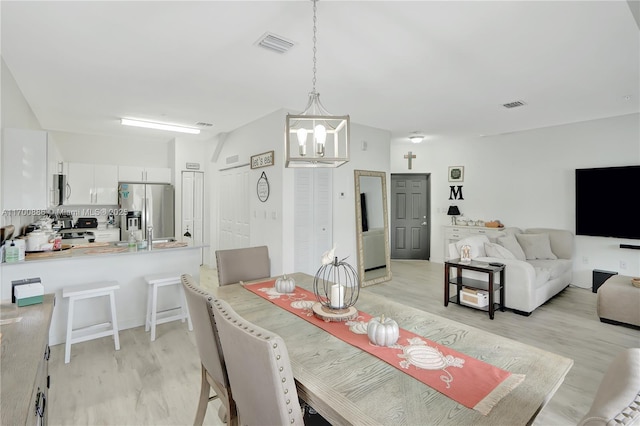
315	138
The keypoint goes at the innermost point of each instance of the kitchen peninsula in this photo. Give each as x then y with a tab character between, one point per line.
84	265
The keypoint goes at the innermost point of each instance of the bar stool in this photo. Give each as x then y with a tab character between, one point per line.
87	291
155	317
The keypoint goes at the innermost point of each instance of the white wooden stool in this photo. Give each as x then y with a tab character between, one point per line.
155	317
87	291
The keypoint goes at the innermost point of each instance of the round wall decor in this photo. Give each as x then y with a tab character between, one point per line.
263	188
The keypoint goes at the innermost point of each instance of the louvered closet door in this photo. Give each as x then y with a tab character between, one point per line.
313	217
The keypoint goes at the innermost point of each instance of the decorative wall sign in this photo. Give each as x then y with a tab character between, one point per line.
262	160
409	156
263	187
455	193
456	173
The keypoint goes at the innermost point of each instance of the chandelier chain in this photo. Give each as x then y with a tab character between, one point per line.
315	29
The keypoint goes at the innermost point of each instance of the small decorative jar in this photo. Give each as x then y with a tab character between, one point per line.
285	284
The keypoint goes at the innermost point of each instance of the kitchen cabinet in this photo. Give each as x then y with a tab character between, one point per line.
91	184
144	174
24	170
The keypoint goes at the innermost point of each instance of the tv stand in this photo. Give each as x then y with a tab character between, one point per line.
630	246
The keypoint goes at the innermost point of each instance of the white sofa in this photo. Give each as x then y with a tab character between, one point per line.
538	263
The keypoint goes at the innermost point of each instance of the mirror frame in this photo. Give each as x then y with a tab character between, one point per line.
387	249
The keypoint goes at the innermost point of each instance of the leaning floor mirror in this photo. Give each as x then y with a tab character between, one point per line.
372	227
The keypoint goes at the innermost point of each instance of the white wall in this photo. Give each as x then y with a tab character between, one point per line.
98	149
526	179
267	133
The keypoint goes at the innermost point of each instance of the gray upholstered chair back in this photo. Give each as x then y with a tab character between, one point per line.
259	370
243	264
214	372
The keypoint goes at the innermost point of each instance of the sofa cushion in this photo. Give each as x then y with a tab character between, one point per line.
510	243
496	250
556	268
476	243
536	246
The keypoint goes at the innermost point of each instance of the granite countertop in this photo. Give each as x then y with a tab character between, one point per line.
100	249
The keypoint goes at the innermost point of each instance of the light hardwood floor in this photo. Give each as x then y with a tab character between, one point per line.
157	383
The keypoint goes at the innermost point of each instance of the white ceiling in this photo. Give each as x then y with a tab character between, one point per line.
443	68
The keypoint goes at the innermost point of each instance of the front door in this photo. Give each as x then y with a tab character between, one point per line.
410	224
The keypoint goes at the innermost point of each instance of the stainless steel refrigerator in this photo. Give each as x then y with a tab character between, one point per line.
143	205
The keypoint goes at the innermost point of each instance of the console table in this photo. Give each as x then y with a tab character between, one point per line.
453	233
459	281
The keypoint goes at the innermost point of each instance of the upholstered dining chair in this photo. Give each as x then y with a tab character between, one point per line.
214	372
243	264
259	370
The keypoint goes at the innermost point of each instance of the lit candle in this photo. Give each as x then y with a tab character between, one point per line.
337	296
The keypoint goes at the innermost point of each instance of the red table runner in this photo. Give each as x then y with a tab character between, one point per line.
468	381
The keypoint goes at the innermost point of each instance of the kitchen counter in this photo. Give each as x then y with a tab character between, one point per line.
93	263
97	248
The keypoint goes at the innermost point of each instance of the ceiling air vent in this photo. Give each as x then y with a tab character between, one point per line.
232	159
275	43
203	124
514	104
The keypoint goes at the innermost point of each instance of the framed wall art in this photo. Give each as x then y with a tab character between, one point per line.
456	173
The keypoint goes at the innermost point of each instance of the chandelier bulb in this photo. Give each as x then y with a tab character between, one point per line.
302	141
320	135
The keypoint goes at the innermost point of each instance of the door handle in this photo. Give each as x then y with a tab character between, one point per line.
423	223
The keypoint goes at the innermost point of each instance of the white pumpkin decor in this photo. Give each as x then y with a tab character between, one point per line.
383	331
285	284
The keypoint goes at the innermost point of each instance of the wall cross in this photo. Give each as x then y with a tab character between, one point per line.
410	156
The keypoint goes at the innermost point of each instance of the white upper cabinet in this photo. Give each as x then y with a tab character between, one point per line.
91	184
24	169
144	174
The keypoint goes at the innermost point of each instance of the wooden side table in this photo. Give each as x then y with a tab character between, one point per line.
459	281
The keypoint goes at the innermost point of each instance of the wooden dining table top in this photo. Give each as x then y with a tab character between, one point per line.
347	385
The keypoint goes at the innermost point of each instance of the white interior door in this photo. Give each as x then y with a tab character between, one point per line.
313	213
192	207
234	208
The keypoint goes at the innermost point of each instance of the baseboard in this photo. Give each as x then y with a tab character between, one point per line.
623	324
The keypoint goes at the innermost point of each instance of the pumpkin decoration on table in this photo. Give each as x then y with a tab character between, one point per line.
285	284
383	331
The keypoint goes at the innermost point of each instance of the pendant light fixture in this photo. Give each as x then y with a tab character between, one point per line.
315	138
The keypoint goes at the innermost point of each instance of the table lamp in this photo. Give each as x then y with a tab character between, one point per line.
453	212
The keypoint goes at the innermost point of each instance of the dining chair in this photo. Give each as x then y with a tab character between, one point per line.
243	264
214	372
259	370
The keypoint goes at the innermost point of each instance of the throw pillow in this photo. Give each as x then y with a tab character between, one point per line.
510	243
476	243
496	250
536	246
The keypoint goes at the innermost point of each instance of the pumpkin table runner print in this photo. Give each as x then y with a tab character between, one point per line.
468	381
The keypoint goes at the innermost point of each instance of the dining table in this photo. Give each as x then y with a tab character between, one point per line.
349	386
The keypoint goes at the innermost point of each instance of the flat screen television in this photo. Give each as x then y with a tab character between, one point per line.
608	202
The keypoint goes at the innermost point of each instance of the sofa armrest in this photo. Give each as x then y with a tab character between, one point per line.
520	279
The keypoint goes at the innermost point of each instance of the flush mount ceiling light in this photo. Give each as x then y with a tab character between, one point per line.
416	138
159	126
315	138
